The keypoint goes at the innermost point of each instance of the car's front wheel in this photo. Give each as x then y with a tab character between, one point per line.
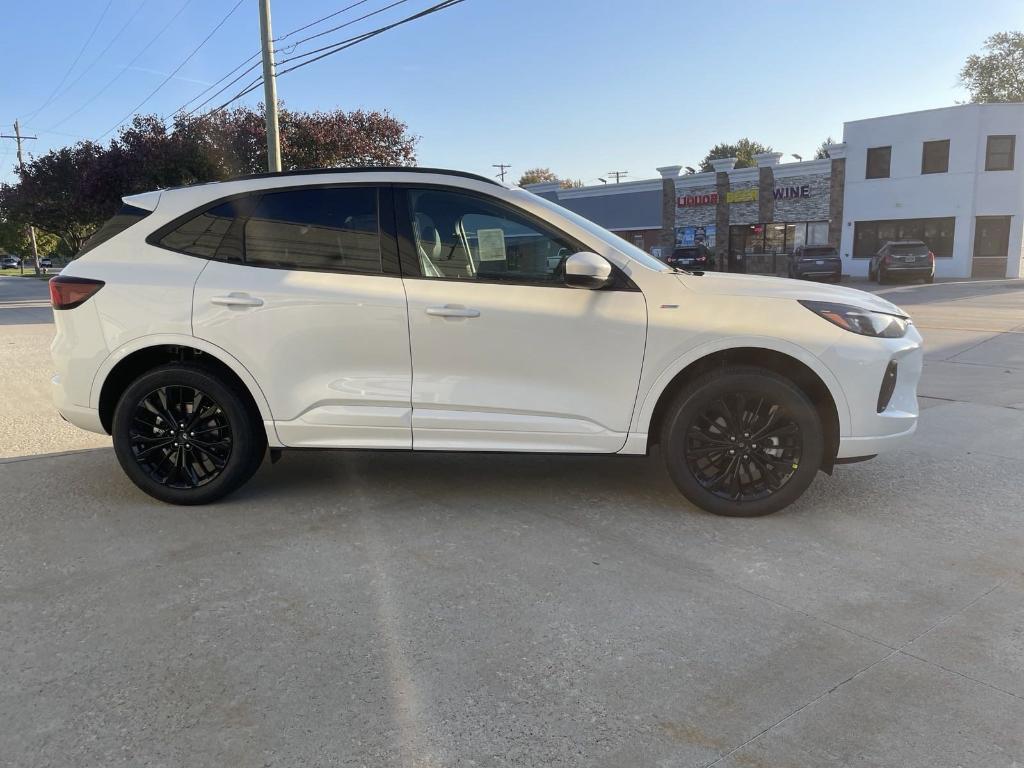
185	436
742	442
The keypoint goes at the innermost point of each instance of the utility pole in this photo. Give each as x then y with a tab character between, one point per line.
501	170
270	90
618	175
21	165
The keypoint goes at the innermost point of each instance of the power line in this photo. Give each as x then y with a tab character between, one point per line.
106	48
338	47
125	68
73	63
319	21
252	67
297	43
177	68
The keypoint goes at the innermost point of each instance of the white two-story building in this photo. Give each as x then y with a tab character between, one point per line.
949	177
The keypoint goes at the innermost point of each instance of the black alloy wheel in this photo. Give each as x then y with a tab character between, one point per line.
743	447
185	436
180	437
742	441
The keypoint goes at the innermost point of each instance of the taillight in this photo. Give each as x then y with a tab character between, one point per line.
71	292
887	259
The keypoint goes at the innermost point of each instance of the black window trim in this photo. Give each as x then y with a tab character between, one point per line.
867	162
924	155
411	264
1013	150
385	229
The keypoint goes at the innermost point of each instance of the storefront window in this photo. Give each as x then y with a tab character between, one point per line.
817	233
937	234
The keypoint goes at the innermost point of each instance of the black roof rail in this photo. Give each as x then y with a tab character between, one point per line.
359	169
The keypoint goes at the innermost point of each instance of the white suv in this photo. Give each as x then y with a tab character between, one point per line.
431	310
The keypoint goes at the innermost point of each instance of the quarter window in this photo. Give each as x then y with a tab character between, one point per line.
999	153
878	163
204	234
935	156
463	237
320	229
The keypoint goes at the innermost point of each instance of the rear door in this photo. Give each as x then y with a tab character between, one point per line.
304	290
505	355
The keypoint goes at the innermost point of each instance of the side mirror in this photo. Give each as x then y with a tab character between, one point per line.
587	270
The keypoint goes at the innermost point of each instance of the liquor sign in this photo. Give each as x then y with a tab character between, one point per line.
791	193
689	201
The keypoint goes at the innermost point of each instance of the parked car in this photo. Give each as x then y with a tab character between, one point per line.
9	262
819	262
905	259
692	257
46	262
419	309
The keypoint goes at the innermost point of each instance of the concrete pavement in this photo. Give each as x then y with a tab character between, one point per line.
380	609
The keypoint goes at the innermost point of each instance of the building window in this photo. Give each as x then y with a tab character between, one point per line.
638	241
992	237
935	156
999	153
937	234
878	163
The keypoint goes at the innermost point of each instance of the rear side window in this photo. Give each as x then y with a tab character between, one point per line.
204	233
910	249
324	228
123	219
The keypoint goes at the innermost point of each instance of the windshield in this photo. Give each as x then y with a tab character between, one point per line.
608	238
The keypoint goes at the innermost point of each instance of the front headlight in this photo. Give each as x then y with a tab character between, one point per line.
862	321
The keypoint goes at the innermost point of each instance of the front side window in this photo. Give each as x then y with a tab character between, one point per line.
878	163
935	156
999	153
320	229
464	237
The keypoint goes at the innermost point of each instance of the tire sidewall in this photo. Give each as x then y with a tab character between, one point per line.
699	394
247	440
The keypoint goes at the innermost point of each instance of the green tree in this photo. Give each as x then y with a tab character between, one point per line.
536	176
822	151
743	150
997	75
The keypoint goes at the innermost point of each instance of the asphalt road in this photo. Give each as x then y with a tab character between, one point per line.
389	609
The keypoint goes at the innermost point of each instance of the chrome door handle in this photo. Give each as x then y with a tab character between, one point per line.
237	300
450	311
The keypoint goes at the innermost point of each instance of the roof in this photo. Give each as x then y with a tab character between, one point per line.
355	169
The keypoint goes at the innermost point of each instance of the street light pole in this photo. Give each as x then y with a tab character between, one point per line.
270	90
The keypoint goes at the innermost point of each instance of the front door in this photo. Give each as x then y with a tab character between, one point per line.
310	301
991	246
506	356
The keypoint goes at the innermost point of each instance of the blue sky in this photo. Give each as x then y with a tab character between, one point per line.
580	86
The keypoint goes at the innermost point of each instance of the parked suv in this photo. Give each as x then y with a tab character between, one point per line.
907	259
816	262
424	310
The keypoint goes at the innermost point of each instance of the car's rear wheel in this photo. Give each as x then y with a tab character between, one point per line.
184	436
742	442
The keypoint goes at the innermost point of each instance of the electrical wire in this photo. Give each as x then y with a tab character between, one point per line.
319	21
293	46
73	63
125	68
176	69
214	85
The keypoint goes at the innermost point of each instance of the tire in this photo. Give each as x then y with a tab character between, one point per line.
930	279
871	274
695	447
883	278
233	438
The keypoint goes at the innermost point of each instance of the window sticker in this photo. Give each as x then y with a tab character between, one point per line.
491	243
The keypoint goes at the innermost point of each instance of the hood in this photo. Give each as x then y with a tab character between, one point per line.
730	284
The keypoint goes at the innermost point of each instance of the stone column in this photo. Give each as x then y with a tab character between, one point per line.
667	236
837	187
722	168
766	162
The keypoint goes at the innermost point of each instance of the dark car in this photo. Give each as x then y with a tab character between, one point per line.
905	259
692	256
816	262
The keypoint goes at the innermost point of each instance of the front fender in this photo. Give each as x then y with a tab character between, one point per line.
649	399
